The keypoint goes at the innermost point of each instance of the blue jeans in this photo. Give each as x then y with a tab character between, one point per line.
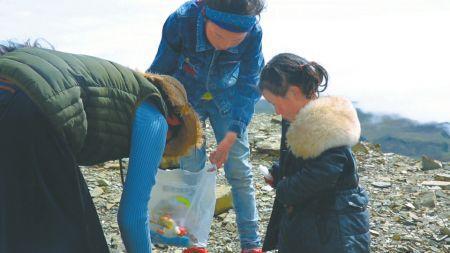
237	171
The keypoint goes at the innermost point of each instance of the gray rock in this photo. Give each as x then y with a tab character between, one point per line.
442	177
276	119
441	184
426	199
103	182
430	164
410	206
361	147
381	184
268	146
97	192
445	231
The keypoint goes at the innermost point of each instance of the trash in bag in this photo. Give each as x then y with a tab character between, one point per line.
182	207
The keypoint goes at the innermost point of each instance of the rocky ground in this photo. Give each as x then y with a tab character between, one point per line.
410	206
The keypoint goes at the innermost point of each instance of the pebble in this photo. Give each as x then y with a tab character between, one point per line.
381	184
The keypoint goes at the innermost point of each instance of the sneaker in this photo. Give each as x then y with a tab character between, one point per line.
255	250
195	250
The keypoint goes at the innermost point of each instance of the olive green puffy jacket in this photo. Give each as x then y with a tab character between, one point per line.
90	101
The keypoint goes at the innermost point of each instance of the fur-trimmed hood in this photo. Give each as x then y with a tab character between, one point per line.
190	133
324	123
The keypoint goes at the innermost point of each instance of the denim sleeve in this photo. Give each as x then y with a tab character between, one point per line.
147	146
169	49
247	85
319	175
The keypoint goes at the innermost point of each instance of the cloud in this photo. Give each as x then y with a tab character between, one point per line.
389	56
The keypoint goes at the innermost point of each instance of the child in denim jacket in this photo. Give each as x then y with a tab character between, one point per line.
213	48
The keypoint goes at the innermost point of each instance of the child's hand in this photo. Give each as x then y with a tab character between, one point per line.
269	182
267	175
220	155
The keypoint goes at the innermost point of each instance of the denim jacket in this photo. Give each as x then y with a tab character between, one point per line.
230	76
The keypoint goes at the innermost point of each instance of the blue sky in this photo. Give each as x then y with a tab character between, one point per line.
389	56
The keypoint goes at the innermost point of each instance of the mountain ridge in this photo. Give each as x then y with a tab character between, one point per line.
397	134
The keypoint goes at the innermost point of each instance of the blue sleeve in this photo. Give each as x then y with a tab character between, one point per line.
169	49
247	85
148	140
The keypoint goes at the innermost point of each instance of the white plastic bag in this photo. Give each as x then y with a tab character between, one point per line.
182	207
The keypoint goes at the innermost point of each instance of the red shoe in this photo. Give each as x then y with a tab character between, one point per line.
255	250
195	250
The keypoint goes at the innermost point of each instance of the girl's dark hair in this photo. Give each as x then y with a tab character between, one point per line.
241	7
11	45
285	70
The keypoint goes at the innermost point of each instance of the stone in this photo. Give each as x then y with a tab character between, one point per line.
381	184
268	146
360	148
441	194
396	237
97	192
430	164
222	216
377	147
426	199
224	199
442	184
445	231
442	177
413	216
112	165
267	188
373	232
228	249
410	206
103	182
276	119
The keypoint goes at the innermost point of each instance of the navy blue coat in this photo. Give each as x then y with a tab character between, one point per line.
319	206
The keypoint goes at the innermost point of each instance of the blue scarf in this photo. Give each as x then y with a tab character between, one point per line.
231	22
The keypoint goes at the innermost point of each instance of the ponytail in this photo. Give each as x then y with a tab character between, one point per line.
286	70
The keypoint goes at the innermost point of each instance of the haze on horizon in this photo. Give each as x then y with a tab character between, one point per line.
389	56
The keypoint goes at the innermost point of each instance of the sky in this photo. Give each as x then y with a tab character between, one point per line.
388	56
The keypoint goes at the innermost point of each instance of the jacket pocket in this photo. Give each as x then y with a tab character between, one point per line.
354	221
348	201
187	67
227	75
226	71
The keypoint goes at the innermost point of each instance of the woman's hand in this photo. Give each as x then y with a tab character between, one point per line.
220	155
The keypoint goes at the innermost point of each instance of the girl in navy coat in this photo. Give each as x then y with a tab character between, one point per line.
319	205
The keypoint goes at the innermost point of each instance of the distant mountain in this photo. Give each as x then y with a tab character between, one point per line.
407	137
398	135
264	107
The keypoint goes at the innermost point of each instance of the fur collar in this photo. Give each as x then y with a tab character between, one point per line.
324	123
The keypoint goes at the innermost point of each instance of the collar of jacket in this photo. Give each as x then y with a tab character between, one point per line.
324	123
202	42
